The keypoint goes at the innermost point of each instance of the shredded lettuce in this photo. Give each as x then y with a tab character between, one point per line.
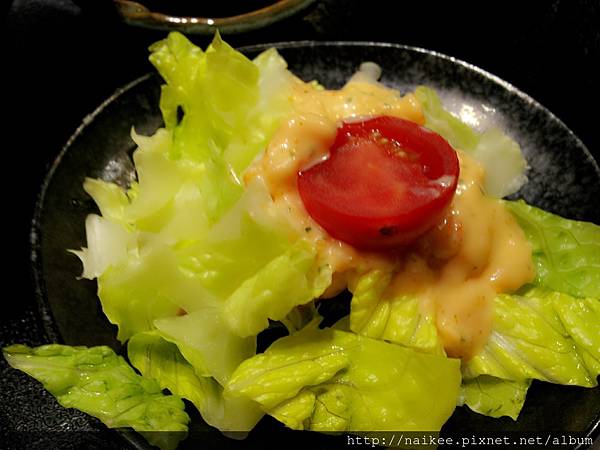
500	155
97	381
566	252
331	380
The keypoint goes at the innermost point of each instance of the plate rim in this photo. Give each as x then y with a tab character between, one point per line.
35	232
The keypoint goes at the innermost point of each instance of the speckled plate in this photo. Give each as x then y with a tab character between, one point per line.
564	179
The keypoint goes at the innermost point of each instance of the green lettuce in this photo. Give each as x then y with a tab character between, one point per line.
165	190
500	155
274	102
206	341
494	397
330	380
98	382
146	287
198	274
111	199
292	279
188	173
397	319
244	240
458	134
230	104
581	319
187	235
566	252
543	335
161	360
108	244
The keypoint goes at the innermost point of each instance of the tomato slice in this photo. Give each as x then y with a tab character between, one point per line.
386	182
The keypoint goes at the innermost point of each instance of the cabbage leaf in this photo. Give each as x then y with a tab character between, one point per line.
98	382
543	335
231	105
499	154
494	397
206	341
397	319
566	252
146	287
161	360
330	380
292	279
187	235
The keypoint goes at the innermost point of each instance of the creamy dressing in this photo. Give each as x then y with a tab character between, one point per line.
305	138
456	270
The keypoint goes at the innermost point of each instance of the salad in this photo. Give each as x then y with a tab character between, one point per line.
261	201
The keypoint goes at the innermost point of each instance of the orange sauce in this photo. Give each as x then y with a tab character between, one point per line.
456	270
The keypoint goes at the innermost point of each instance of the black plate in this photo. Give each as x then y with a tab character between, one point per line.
564	179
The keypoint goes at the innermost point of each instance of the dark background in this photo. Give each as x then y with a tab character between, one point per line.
61	58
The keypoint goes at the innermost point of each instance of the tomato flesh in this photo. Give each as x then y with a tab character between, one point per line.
386	182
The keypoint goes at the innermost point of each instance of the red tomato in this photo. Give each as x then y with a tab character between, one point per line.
386	182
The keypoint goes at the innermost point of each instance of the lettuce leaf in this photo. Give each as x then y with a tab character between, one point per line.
274	102
580	317
161	360
206	341
330	380
164	191
110	198
292	279
186	235
108	244
220	84
397	319
100	383
243	241
566	252
156	280
494	397
242	100
504	163
500	155
458	134
146	287
544	335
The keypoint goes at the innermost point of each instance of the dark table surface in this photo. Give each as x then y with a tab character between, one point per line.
62	58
